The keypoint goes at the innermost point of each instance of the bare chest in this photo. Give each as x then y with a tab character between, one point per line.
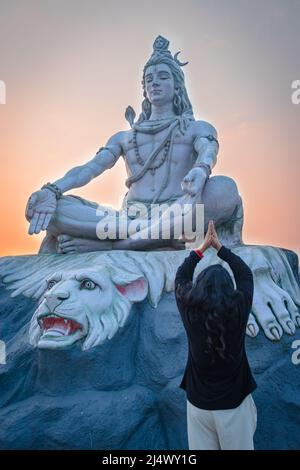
137	147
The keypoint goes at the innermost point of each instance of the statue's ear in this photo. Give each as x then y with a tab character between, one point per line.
135	291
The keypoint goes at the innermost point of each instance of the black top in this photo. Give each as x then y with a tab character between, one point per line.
225	383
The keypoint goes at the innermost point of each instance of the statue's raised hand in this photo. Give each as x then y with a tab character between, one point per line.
40	207
193	182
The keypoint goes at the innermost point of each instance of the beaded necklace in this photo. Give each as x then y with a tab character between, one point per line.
139	159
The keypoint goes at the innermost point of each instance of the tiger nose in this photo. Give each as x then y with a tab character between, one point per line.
54	299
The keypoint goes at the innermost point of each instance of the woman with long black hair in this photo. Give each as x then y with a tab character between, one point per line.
221	413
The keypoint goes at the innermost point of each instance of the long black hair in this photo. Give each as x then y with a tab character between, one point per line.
212	299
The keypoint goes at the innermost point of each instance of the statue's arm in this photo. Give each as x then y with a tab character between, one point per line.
104	159
206	146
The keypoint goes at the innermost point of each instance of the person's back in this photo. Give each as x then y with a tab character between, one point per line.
217	377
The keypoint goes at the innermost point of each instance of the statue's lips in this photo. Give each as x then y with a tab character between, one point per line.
58	326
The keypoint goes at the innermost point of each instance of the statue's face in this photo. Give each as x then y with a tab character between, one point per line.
159	84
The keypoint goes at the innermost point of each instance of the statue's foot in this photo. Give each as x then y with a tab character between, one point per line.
276	299
273	308
68	245
48	244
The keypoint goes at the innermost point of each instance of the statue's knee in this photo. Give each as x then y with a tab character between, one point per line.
223	190
222	185
220	198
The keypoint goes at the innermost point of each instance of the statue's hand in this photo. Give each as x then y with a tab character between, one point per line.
193	182
40	207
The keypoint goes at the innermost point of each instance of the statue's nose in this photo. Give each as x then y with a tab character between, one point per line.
55	298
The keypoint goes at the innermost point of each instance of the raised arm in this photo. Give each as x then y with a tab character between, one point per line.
186	270
242	274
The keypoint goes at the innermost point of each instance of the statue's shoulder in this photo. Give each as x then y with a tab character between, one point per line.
119	141
118	138
204	128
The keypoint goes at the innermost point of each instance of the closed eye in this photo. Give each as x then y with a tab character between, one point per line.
162	77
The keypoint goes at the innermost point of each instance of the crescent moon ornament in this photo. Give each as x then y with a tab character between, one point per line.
178	61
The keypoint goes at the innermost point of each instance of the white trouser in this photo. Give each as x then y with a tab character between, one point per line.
222	429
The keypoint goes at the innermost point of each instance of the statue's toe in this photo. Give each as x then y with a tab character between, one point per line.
282	314
252	327
291	327
266	318
63	238
275	333
293	310
68	249
68	244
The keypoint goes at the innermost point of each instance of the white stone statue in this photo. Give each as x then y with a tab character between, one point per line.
169	157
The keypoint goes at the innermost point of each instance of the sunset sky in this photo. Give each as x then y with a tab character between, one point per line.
71	67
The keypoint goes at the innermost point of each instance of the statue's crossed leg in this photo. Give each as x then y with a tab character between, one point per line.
73	227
